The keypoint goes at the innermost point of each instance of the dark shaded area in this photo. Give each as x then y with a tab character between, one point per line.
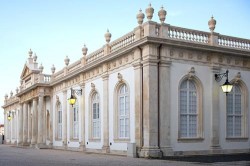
211	158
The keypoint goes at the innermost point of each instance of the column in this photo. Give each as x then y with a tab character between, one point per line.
164	102
34	122
25	124
40	132
150	102
105	148
65	141
82	113
138	98
29	123
215	110
6	126
51	122
20	125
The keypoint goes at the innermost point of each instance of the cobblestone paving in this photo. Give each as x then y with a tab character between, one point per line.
16	156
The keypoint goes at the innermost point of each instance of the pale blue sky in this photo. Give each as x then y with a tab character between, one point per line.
56	28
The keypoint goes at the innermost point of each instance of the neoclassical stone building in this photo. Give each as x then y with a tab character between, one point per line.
154	88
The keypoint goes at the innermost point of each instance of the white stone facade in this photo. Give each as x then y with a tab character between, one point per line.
154	87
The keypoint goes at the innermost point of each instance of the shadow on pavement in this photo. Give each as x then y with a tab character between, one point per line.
212	158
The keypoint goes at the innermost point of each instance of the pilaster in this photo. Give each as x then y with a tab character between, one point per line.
40	141
215	113
25	124
138	98
82	113
65	141
164	103
29	123
34	122
150	106
105	148
20	125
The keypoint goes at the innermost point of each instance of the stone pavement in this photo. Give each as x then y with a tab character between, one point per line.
16	156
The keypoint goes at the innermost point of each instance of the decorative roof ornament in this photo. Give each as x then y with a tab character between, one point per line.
84	50
162	14
30	53
66	60
191	73
149	12
140	16
6	96
41	68
35	57
53	69
211	24
107	36
11	93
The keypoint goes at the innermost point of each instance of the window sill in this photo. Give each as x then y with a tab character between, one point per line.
95	140
121	140
237	139
190	140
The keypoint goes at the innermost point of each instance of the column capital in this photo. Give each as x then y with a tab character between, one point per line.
82	85
105	76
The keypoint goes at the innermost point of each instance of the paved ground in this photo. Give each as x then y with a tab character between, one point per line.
13	156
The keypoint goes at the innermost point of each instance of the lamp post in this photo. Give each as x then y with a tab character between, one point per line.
72	99
226	87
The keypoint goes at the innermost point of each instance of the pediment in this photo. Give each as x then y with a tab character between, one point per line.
26	71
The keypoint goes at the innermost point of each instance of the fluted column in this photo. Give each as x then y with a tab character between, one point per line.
25	124
65	141
82	112
105	147
6	125
34	122
40	141
215	117
20	125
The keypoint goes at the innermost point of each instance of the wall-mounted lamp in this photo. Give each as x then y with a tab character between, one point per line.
72	99
9	116
226	87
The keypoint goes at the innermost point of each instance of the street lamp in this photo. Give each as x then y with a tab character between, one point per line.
9	117
226	87
72	99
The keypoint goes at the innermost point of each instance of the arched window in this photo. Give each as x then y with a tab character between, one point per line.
59	120
75	119
235	113
95	104
188	110
123	112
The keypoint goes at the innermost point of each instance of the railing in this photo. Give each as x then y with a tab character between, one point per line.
233	42
188	35
122	41
46	78
74	66
93	56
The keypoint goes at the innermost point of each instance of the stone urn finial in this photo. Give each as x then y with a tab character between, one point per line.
211	24
84	50
162	14
107	36
66	60
11	93
140	16
6	96
149	12
41	68
53	69
17	90
35	57
30	53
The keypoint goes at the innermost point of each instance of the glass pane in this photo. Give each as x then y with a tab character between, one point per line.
229	103
229	126
183	85
183	126
238	104
192	125
237	126
191	86
192	102
183	102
